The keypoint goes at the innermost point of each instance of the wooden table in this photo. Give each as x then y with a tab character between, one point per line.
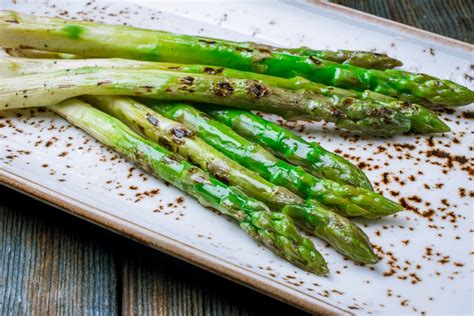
51	262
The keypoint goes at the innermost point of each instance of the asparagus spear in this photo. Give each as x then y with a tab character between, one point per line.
421	119
347	200
56	86
361	59
274	230
100	40
377	118
294	149
341	233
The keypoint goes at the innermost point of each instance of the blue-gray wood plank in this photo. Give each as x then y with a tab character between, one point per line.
52	263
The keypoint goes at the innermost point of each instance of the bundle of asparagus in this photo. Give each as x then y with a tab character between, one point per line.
215	149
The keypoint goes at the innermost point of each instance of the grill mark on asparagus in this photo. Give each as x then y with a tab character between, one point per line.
205	41
152	119
223	89
188	80
257	90
315	60
219	171
213	71
337	114
243	49
348	101
104	82
13	20
179	133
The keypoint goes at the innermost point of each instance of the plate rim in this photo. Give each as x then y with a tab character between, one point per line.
188	253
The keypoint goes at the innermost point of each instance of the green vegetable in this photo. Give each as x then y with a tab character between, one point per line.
372	117
347	200
361	59
313	217
274	230
100	40
53	87
288	146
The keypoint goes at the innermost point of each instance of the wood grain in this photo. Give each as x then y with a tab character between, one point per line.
51	262
156	284
452	18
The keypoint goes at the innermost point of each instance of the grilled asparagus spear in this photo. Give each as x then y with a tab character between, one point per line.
294	149
377	118
100	40
275	230
53	87
341	233
347	200
361	59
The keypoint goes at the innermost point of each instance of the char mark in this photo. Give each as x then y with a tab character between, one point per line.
315	60
223	88
257	90
187	80
152	119
181	132
104	82
213	71
209	42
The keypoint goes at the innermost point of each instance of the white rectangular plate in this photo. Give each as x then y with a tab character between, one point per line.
427	250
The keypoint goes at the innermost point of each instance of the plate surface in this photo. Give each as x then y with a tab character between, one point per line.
426	250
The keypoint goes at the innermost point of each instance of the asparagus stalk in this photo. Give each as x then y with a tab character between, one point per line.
376	117
100	40
347	200
339	232
361	59
274	230
294	149
53	87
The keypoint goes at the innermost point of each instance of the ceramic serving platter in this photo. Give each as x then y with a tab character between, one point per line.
426	251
